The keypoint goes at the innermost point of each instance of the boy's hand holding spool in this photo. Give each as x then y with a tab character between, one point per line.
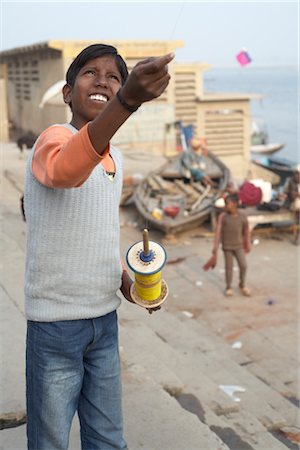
125	289
146	259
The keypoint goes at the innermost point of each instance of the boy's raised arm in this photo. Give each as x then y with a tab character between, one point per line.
147	80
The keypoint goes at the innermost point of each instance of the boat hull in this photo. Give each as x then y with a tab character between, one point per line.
266	149
195	194
280	166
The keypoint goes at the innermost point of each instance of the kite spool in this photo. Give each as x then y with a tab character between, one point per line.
146	259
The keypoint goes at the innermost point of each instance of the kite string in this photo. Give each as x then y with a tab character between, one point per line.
171	37
176	22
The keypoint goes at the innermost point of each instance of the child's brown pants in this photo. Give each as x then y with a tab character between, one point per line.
239	254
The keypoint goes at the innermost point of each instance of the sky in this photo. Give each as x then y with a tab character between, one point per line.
212	32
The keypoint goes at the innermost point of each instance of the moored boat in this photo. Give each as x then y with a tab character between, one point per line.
169	199
280	166
266	149
260	139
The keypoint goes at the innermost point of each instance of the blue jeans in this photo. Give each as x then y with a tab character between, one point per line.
71	366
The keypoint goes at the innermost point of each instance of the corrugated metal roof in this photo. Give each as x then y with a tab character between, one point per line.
26	49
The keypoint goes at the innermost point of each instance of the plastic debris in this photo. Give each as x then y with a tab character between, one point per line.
157	213
220	203
237	344
222	270
188	314
199	283
255	242
230	391
271	301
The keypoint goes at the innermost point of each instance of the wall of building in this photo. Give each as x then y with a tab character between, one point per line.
3	112
226	127
29	75
222	119
188	86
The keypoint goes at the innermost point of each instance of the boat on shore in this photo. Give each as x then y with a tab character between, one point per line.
260	144
266	149
282	167
170	200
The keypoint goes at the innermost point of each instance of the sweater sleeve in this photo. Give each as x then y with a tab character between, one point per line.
64	160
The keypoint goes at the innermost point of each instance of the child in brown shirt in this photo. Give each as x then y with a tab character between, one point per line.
233	232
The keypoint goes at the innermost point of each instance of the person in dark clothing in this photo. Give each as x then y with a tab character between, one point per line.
292	200
233	233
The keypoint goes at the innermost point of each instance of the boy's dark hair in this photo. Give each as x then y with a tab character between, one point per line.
91	52
234	198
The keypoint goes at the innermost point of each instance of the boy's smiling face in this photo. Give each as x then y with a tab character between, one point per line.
95	85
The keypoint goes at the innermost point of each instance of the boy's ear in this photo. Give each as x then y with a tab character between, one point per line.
67	91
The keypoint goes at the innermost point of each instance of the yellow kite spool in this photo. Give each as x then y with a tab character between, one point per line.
146	259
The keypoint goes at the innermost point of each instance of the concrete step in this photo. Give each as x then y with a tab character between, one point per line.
286	390
169	360
219	365
12	380
260	369
242	431
135	359
193	364
210	343
239	430
154	420
260	348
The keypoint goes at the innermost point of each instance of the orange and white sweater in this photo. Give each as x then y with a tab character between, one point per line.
73	265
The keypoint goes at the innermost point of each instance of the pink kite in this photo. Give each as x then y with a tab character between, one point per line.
243	58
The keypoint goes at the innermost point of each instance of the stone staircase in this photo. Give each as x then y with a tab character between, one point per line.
173	368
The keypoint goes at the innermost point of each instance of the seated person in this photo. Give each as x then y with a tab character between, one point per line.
292	199
292	190
193	162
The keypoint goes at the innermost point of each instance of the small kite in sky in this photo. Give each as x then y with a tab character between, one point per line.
243	57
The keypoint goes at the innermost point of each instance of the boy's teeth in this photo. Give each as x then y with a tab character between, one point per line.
98	97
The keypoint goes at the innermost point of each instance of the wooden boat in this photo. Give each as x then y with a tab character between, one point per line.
171	201
260	139
266	149
280	166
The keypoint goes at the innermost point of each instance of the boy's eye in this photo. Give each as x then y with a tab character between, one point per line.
90	71
114	77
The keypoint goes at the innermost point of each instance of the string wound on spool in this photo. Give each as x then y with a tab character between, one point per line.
146	260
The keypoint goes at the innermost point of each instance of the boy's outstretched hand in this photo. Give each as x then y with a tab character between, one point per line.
147	80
